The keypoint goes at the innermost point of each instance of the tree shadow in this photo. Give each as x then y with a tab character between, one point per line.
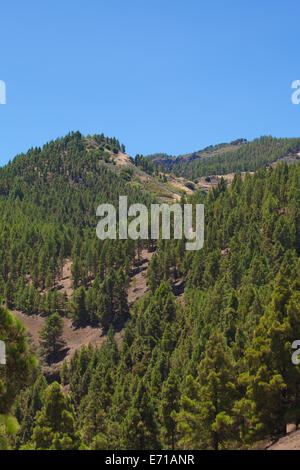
58	357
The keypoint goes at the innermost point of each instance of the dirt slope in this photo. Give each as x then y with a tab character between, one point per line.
138	285
289	442
65	283
75	338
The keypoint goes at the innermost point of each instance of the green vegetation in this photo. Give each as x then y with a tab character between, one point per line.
14	375
222	159
48	201
249	157
55	423
211	370
51	336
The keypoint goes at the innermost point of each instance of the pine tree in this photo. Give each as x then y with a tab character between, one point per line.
169	406
55	423
80	315
140	428
20	363
51	341
9	293
271	381
205	419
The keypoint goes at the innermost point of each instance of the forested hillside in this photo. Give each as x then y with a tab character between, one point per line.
163	160
235	157
48	204
210	369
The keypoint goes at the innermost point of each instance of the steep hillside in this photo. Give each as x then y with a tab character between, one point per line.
50	256
48	201
195	349
118	161
228	341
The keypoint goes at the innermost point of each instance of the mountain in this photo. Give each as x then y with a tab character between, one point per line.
188	349
169	162
237	156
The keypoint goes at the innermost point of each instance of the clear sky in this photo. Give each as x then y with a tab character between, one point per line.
160	75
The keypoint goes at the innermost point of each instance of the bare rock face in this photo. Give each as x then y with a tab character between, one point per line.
291	428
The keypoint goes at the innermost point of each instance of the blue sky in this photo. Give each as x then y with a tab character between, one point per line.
162	76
